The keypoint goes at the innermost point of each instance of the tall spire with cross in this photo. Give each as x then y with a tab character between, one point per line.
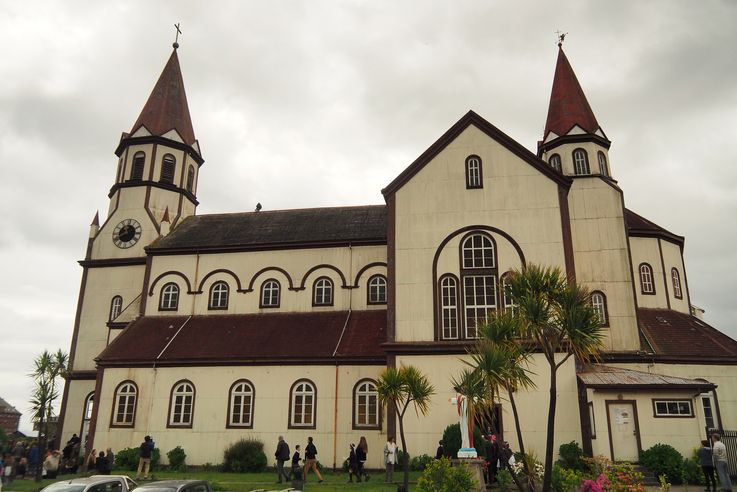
176	36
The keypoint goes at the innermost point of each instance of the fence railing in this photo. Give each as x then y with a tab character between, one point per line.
729	438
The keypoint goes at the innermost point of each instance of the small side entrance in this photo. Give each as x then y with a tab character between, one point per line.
624	430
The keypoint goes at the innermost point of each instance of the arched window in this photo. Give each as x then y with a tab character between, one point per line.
580	162
89	406
603	167
219	296
555	163
169	297
124	406
240	409
477	251
302	402
270	294
507	301
377	289
646	279
116	305
366	409
598	302
168	164
676	283
449	306
139	161
473	172
190	179
322	292
181	405
479	273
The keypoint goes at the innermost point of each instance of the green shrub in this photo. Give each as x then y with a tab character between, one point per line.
692	473
419	463
452	440
127	458
571	456
439	476
566	479
246	455
504	478
177	458
663	459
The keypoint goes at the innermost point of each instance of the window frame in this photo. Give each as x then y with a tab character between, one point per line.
356	425
603	164
489	272
556	162
190	179
273	285
678	415
675	276
252	406
116	307
163	294
116	422
604	307
585	155
327	286
592	420
168	169
211	305
292	403
456	308
645	269
138	166
474	174
170	424
507	301
373	293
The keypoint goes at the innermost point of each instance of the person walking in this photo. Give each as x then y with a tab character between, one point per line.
102	465
361	453
144	457
390	458
110	458
353	465
492	456
719	452
311	460
281	455
296	471
707	465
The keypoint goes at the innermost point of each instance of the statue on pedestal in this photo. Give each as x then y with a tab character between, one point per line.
467	450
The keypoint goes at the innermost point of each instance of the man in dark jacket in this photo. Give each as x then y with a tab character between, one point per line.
281	455
311	459
144	457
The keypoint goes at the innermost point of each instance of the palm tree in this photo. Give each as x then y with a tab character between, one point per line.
556	315
398	388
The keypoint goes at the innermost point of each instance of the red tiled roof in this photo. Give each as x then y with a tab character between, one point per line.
675	334
167	108
254	338
568	104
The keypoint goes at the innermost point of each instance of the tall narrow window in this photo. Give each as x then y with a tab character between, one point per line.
89	406
124	405
270	294
169	297
480	297
449	306
241	405
302	405
646	279
190	179
219	296
473	172
377	289
139	161
366	405
580	162
168	164
603	167
555	163
710	417
181	405
676	283
598	302
509	304
116	305
322	292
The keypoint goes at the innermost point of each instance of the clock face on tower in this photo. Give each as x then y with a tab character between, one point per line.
127	233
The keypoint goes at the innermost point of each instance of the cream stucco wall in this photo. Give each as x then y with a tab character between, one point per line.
646	250
78	391
673	258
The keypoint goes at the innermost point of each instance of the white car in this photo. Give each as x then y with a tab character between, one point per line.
95	483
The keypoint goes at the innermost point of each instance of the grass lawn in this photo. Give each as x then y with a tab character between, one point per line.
245	482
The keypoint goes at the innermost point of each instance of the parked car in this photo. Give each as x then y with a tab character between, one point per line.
176	486
95	483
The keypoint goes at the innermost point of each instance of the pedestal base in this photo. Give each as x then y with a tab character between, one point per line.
477	471
467	453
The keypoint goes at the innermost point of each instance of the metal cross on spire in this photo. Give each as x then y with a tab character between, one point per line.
561	37
176	37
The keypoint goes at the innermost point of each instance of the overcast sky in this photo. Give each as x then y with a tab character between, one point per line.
317	103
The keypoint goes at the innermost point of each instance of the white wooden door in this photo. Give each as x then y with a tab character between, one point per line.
623	428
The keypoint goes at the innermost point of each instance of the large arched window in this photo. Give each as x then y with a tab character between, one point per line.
377	289
473	172
219	296
169	300
181	405
449	306
603	166
598	302
139	162
647	285
168	164
676	277
240	407
366	409
322	292
270	293
478	251
479	273
190	178
555	163
580	162
124	405
302	403
116	305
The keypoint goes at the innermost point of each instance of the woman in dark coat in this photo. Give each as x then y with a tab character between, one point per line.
361	452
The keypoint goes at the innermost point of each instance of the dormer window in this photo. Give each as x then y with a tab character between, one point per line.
555	163
473	172
580	162
139	161
603	167
167	169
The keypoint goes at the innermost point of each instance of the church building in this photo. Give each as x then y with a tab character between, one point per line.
200	330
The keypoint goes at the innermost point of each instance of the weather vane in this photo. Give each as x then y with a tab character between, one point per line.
561	37
176	37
